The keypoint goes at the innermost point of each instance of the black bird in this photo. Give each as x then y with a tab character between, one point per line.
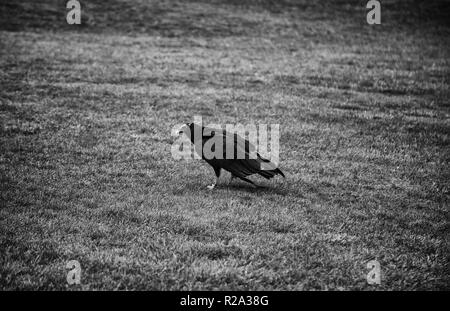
238	166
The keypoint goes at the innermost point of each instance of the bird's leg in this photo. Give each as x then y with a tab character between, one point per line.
217	171
231	178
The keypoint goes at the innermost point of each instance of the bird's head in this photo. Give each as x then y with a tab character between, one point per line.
189	129
186	128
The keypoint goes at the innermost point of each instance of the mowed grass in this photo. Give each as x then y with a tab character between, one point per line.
87	174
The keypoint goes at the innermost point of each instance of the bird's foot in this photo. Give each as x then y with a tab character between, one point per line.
211	187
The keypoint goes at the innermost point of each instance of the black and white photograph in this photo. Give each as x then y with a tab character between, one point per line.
241	146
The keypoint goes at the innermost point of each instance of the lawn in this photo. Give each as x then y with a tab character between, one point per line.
86	113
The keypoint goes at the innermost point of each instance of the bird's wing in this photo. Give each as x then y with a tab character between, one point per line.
241	146
240	168
250	163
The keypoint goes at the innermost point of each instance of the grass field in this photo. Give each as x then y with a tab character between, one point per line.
87	174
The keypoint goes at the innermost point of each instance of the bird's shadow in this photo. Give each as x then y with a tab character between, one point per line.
266	189
282	188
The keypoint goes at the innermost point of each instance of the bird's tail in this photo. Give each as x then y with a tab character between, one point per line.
269	169
271	173
278	171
